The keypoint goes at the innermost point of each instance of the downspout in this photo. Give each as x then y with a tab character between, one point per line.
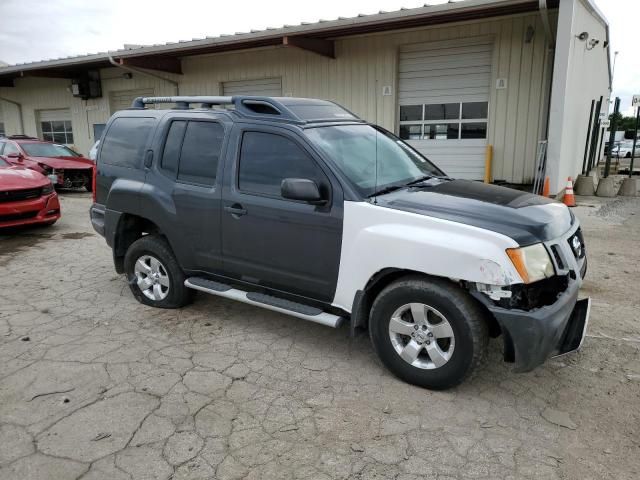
546	24
144	72
19	107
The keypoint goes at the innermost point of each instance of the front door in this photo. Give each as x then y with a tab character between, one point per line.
271	241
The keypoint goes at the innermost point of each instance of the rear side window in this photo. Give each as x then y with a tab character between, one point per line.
266	159
126	140
200	152
10	148
172	146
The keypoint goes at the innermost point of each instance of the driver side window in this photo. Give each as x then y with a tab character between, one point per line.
266	159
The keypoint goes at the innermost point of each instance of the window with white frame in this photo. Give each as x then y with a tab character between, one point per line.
59	131
444	121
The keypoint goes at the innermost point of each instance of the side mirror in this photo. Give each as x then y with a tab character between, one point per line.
16	155
301	189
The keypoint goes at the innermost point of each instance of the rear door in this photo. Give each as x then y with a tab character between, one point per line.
272	241
188	174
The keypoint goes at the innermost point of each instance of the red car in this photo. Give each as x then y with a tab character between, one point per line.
62	165
26	197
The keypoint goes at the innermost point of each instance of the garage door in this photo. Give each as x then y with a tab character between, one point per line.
119	100
55	125
444	97
267	87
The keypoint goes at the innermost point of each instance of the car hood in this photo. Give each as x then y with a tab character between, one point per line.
522	216
18	178
64	163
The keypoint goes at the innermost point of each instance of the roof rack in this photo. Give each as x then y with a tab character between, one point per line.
299	110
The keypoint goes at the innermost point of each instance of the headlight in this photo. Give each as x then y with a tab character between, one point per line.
532	263
47	189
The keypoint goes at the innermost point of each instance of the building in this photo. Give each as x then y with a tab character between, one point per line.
452	79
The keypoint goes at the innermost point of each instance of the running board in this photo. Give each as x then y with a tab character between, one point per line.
276	304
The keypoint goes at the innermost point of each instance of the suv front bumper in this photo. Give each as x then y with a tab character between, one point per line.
531	337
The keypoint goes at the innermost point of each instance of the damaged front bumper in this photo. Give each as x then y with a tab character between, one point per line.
545	319
531	337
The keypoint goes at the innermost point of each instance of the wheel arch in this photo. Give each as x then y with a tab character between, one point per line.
130	227
360	312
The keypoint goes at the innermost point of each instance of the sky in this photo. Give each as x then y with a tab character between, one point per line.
33	30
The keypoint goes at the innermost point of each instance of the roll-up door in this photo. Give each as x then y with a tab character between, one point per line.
120	100
444	97
267	87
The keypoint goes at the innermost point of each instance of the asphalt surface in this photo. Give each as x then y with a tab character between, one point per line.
94	385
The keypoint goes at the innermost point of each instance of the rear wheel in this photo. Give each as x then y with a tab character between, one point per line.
428	332
154	276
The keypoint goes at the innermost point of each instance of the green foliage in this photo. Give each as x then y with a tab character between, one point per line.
627	124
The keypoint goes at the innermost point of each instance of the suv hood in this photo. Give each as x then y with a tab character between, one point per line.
64	163
17	178
522	216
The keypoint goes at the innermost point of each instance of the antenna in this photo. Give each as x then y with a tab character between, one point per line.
375	186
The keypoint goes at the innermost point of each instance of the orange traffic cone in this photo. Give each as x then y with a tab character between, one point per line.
569	200
545	187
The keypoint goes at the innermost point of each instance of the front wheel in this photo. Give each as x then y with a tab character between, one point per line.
154	276
428	332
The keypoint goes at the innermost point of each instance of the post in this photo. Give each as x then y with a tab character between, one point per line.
600	144
594	135
488	159
586	142
635	140
612	136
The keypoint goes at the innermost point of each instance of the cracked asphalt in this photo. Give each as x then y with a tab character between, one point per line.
94	385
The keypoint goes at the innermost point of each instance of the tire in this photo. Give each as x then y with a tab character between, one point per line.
88	186
459	333
158	270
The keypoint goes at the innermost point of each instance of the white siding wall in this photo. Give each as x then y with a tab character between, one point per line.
580	76
355	79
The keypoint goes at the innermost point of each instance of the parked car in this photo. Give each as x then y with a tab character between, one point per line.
93	151
66	168
625	148
26	197
298	206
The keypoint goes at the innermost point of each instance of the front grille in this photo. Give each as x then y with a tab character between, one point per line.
18	195
18	216
576	243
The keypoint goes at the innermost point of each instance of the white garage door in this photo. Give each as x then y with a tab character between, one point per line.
122	99
267	87
444	97
55	125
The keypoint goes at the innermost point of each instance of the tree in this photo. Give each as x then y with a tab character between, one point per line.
626	124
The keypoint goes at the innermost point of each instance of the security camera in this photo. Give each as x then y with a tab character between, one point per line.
583	36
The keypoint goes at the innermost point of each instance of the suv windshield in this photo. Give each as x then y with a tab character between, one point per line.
355	148
48	150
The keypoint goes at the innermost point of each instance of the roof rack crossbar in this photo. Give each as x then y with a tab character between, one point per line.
140	102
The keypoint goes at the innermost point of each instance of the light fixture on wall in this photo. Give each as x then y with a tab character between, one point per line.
127	75
592	43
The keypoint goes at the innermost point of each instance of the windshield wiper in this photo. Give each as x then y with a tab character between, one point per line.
389	189
420	179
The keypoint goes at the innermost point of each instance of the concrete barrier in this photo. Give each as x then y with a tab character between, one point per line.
606	187
584	186
629	187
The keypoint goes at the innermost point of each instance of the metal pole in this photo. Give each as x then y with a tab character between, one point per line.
635	140
612	136
586	142
594	135
600	144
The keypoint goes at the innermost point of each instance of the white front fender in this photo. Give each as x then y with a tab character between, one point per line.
375	238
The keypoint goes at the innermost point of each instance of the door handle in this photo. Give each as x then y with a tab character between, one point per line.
236	210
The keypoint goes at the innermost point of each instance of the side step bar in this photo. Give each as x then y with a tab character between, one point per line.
269	302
